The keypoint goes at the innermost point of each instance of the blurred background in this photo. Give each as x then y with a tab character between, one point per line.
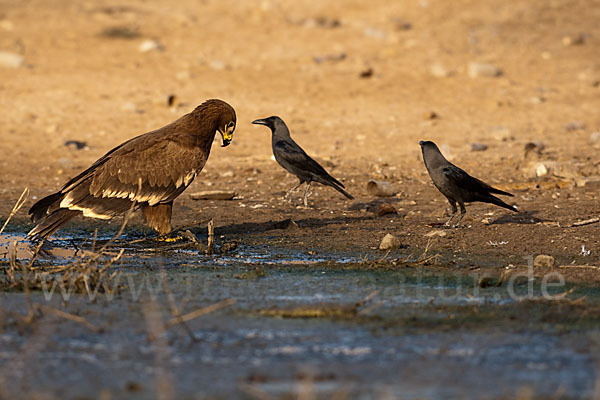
360	81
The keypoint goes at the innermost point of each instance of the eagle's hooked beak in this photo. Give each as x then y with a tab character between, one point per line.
227	135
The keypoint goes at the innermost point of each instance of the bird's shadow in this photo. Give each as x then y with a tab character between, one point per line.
373	205
521	218
288	223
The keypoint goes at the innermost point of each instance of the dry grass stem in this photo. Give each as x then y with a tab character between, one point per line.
22	199
200	312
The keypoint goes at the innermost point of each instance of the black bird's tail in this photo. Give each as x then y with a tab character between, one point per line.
500	192
339	189
498	202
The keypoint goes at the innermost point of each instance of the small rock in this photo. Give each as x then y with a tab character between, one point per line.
330	58
595	137
590	181
543	261
534	148
217	65
150	45
76	144
128	107
227	174
120	32
478	70
375	33
431	115
537	100
479	147
171	100
228	247
385	209
321	22
574	126
437	70
213	195
183	76
541	170
7	25
367	73
402	25
485	221
437	232
575	40
389	242
501	133
11	60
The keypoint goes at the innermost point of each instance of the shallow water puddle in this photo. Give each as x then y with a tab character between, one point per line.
68	248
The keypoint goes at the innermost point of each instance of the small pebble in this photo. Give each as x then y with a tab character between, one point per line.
437	232
431	115
477	70
385	209
501	133
543	261
541	170
437	70
595	137
575	40
574	126
479	147
213	195
402	24
76	144
367	73
11	60
150	45
389	242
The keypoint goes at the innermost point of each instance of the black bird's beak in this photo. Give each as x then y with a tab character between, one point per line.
226	142
260	122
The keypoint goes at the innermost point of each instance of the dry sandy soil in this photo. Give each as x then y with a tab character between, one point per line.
359	83
84	78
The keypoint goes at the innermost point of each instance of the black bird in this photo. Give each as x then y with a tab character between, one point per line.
148	171
458	186
293	159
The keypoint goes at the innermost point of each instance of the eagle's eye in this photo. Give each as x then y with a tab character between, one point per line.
230	126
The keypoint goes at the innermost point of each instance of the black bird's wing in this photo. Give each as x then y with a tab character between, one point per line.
301	163
465	181
474	189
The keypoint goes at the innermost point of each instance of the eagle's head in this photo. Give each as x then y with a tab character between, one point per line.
221	115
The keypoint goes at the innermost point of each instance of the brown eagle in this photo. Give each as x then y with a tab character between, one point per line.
150	171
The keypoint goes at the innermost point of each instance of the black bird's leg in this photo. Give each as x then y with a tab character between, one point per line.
454	211
463	211
306	194
293	189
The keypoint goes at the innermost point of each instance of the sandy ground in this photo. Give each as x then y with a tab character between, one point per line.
85	79
359	84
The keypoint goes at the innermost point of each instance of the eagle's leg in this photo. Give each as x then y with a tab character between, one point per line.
305	198
158	217
454	211
293	189
463	211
